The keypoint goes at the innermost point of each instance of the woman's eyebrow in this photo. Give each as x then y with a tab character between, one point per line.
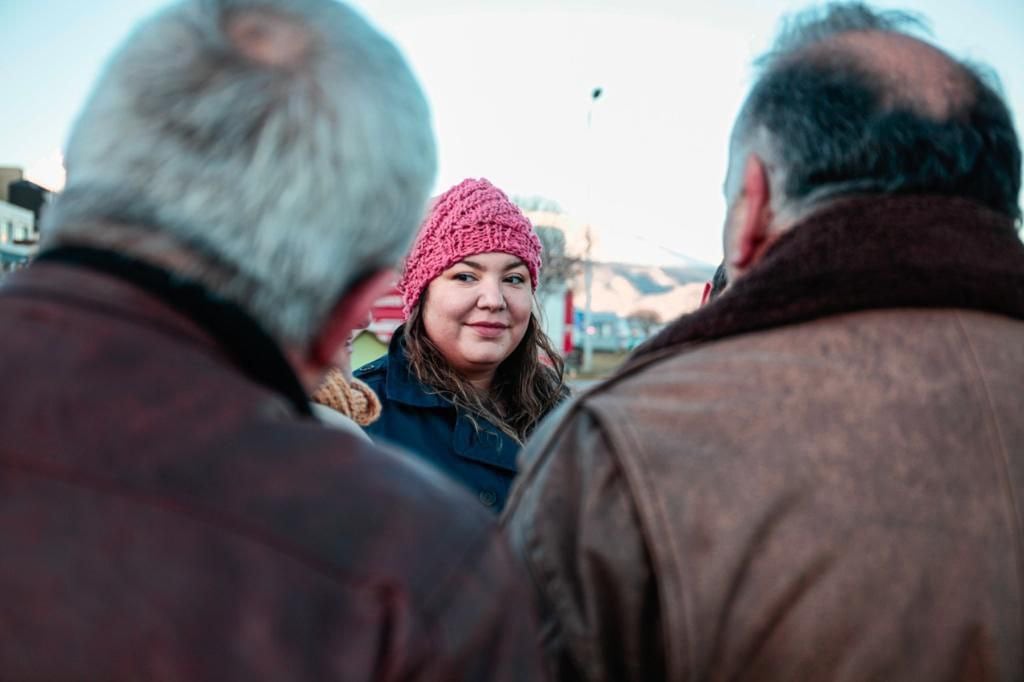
512	265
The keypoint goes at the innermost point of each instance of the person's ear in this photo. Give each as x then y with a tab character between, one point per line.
752	230
349	313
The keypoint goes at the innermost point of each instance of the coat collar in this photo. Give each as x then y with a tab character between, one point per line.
252	350
482	441
402	385
862	254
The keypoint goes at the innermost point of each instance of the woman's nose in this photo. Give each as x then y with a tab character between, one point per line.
491	296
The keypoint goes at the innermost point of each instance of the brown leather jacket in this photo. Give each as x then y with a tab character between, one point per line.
817	477
169	510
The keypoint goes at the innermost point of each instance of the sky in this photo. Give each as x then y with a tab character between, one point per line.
510	85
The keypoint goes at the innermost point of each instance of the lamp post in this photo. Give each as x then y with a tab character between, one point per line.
588	263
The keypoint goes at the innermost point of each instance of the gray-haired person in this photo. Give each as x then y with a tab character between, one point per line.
819	475
239	183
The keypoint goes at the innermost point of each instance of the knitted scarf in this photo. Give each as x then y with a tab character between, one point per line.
350	397
867	253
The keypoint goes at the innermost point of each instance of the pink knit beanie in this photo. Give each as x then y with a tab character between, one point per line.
472	217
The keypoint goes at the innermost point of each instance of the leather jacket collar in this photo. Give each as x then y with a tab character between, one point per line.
246	343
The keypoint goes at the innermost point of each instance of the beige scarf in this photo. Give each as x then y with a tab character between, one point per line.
350	397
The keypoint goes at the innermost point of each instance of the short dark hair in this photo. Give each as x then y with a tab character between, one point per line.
719	281
837	128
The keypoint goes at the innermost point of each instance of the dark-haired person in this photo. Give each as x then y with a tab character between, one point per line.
819	475
463	383
714	288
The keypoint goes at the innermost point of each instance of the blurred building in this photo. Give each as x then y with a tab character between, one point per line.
18	237
17	224
27	194
20	208
385	317
9	174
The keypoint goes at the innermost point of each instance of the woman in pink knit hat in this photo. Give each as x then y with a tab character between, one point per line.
463	383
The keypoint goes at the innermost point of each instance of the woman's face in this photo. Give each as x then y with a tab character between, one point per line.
476	312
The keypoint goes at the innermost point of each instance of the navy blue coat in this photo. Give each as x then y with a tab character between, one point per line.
481	457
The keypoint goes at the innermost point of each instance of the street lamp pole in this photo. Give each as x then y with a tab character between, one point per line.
588	263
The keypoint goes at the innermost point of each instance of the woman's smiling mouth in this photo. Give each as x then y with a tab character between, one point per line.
488	329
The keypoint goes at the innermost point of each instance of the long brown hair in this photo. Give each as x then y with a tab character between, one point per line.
524	388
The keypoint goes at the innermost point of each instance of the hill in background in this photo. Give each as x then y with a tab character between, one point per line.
625	289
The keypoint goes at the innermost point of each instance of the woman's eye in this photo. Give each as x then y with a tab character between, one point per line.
515	279
464	277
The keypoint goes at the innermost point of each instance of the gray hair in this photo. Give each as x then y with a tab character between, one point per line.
833	125
288	181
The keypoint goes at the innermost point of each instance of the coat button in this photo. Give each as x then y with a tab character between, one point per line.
488	498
